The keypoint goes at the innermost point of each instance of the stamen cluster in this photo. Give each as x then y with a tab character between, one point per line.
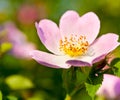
74	45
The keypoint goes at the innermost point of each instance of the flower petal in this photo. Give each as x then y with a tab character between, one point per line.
110	87
87	25
13	34
80	61
68	22
105	44
49	34
49	60
23	50
101	47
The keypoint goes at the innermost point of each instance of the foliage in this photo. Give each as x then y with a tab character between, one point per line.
24	79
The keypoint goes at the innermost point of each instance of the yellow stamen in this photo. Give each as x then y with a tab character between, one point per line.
74	45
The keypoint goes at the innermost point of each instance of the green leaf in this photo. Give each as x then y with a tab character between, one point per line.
117	70
11	98
114	61
81	95
18	82
40	95
117	65
95	77
0	95
92	89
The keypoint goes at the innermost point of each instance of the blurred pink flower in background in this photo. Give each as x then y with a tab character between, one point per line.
21	47
74	43
110	87
28	14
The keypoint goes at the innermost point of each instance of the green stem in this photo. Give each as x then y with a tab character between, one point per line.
78	88
71	80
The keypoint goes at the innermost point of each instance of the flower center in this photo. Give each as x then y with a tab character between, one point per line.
74	45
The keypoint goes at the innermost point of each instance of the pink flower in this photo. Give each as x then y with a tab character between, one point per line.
74	42
110	87
20	46
28	14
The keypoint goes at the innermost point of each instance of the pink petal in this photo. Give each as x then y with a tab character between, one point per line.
80	61
101	47
49	34
105	44
20	46
68	22
49	60
88	25
13	34
110	87
22	50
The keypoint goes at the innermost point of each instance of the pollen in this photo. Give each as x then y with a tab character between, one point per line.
74	45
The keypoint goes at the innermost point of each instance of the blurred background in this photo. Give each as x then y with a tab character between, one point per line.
22	78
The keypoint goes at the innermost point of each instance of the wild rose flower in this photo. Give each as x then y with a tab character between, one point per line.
110	87
21	47
74	42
